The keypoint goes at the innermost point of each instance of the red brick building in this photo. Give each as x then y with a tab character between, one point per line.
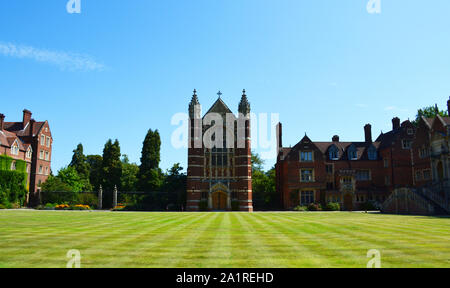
350	173
30	141
219	174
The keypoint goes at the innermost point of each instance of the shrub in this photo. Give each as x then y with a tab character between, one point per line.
301	208
203	205
13	188
314	207
370	206
333	207
235	205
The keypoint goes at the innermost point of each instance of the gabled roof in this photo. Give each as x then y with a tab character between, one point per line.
444	120
18	129
219	107
323	147
428	121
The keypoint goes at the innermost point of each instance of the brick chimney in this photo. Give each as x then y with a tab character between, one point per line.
26	117
395	123
335	138
279	136
32	121
2	121
368	133
448	106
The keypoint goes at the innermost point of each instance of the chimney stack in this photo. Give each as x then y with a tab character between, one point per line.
2	121
279	137
26	117
448	106
395	123
335	138
368	133
32	121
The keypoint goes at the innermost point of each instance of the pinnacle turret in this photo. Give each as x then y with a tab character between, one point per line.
244	105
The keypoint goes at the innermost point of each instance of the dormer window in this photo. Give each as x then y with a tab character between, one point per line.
352	153
306	156
43	140
29	153
372	153
15	149
334	153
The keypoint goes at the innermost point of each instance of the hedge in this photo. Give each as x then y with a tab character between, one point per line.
13	184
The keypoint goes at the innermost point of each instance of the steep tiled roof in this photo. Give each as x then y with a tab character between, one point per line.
17	128
219	107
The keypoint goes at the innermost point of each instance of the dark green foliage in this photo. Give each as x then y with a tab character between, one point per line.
151	151
203	205
13	184
70	177
70	198
175	186
430	112
12	188
301	208
265	196
55	184
370	206
95	170
235	205
130	173
111	173
333	207
314	207
80	164
149	173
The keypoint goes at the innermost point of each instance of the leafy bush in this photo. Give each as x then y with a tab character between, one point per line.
235	205
331	206
12	188
370	206
314	207
301	208
203	205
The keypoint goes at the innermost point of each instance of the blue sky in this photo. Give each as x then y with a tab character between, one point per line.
121	67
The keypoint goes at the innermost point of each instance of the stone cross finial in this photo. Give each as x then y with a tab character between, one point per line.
219	93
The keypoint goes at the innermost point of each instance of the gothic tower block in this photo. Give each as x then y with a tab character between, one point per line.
219	157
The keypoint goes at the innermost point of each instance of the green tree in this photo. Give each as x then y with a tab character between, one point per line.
55	184
257	162
430	112
95	170
130	173
111	166
150	176
265	196
70	177
175	187
80	164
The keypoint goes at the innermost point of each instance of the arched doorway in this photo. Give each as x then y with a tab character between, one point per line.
219	201
348	202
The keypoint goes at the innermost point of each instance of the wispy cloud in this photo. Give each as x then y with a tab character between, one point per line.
395	108
64	60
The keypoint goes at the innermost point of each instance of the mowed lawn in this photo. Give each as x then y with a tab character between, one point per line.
121	239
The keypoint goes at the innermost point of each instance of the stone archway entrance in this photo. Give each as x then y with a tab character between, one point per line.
219	201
